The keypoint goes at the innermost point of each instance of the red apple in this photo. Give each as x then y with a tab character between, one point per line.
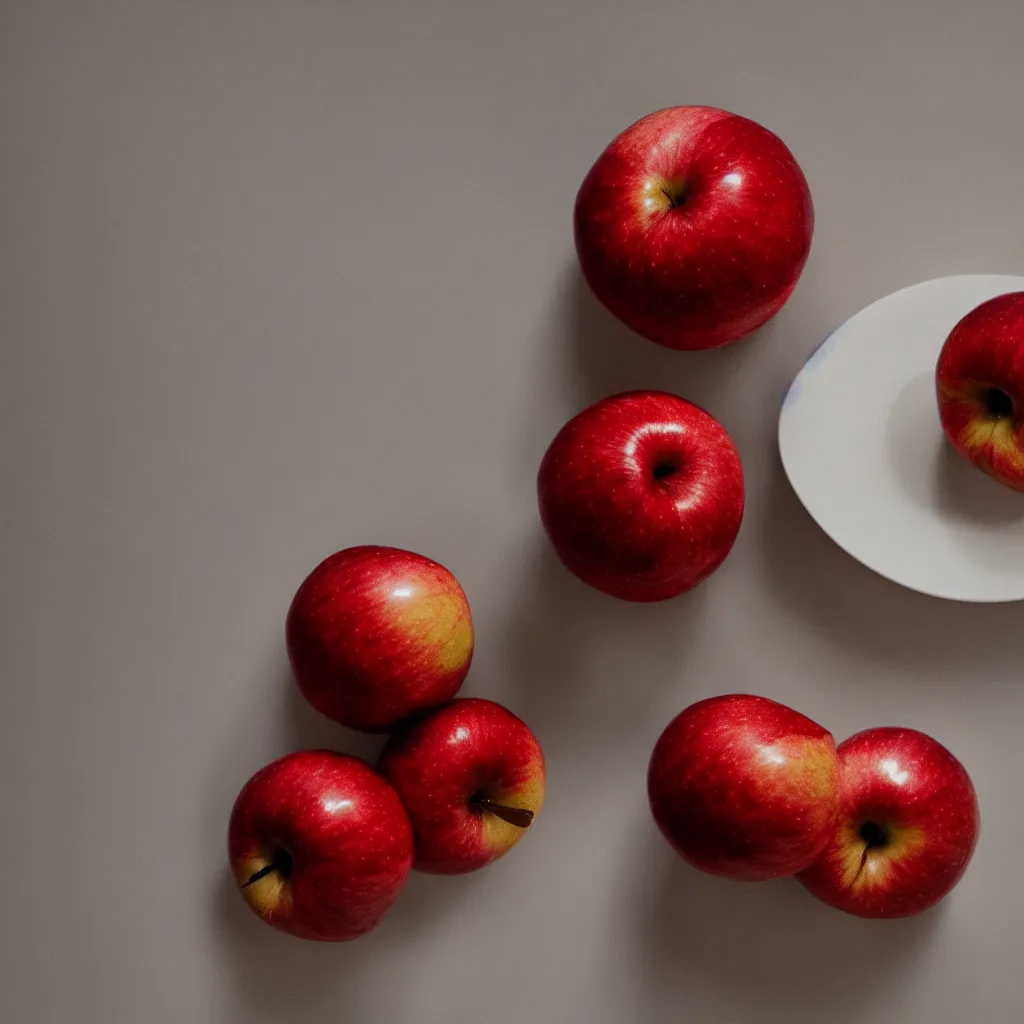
907	826
471	776
375	634
693	226
319	845
980	384
642	495
744	787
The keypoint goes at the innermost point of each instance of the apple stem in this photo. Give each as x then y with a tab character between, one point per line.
281	862
674	201
518	816
257	875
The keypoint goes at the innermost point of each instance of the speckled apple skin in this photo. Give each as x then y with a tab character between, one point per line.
618	525
439	763
744	787
921	795
346	831
375	634
693	226
984	351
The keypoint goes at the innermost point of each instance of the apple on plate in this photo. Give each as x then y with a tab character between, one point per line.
319	845
471	776
375	634
979	382
744	787
693	226
907	826
641	495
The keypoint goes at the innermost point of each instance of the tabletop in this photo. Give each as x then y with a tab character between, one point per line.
279	278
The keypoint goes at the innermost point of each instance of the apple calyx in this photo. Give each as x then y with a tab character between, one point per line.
518	816
281	863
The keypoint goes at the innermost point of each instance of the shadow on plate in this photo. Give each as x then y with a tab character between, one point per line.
963	492
934	474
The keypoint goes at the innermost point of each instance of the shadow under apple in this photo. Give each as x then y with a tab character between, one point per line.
574	654
275	976
770	942
604	357
307	729
861	611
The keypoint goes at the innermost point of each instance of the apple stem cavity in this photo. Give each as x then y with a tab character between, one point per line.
998	403
873	835
281	863
674	202
518	816
664	468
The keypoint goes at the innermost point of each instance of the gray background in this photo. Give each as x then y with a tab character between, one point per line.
277	278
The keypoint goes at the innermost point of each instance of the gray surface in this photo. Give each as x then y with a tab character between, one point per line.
276	278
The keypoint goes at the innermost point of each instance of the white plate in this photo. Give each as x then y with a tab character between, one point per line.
862	446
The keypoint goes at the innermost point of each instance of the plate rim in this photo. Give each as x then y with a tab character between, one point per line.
928	592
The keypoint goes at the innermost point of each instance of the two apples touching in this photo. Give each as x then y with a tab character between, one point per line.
692	228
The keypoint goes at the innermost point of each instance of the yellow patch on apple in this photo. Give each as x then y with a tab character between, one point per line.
442	623
811	768
997	433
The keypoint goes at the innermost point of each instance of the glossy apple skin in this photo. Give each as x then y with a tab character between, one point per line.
744	787
979	383
376	634
442	764
642	495
346	832
693	226
921	797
